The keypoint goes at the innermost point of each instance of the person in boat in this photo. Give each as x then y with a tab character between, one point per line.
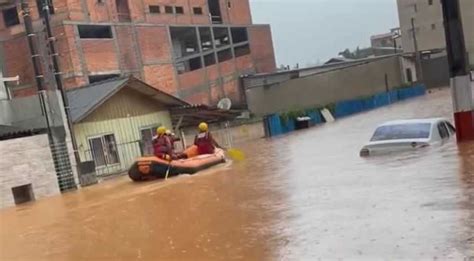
204	141
162	146
172	138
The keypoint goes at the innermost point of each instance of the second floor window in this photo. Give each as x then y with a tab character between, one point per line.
10	17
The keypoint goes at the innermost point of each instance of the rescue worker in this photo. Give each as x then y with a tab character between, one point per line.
204	140
162	146
172	138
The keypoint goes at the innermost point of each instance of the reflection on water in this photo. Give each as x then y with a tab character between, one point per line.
299	197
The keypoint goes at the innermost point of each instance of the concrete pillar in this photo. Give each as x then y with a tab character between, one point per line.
459	73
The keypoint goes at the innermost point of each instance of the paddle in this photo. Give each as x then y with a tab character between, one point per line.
169	168
236	154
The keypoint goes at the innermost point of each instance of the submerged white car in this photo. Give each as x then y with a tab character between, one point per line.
408	134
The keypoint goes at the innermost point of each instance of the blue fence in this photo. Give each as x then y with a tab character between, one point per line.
276	126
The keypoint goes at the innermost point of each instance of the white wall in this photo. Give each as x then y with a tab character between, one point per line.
26	161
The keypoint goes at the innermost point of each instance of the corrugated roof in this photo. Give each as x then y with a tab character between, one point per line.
83	101
192	115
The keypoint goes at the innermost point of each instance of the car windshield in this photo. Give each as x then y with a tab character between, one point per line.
402	131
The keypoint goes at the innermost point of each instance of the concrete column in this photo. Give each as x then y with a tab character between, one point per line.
459	73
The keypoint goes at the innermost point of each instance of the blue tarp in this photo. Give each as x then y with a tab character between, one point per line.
316	117
274	125
345	108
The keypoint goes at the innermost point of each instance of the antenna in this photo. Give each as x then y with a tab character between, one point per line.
224	104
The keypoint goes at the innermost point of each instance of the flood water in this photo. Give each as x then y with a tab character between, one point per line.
304	196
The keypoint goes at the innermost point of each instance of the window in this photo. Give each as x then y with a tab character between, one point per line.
430	2
433	26
415	7
189	65
221	36
95	31
242	50
197	10
402	131
409	75
239	34
10	17
206	38
147	135
104	150
229	4
154	9
23	194
168	9
179	10
123	10
451	128
39	5
195	64
184	40
209	59
102	77
215	11
443	131
224	55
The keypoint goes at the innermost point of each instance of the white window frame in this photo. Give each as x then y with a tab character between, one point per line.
102	136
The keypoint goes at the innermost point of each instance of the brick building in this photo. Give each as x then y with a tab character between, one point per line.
194	49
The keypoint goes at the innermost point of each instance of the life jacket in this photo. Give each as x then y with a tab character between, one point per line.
162	146
204	142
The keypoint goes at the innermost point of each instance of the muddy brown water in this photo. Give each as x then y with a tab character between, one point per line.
305	196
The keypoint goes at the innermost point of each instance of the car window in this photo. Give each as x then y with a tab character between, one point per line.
402	131
451	128
443	131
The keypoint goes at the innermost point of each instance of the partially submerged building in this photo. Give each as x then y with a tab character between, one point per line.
195	50
315	87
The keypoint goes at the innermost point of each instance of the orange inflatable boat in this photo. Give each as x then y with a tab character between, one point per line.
147	168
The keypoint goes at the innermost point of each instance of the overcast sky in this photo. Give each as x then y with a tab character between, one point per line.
312	31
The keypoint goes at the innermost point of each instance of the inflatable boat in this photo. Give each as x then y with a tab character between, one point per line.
148	168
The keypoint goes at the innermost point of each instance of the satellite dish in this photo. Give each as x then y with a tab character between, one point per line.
224	104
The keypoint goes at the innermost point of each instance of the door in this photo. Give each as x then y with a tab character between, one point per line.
123	10
215	11
409	75
147	135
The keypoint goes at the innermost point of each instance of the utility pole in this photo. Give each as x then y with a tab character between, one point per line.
458	69
46	13
419	69
57	142
36	59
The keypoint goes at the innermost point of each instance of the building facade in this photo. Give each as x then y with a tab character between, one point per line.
387	40
195	50
115	120
429	25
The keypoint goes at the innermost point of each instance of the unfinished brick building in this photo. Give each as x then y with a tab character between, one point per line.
194	49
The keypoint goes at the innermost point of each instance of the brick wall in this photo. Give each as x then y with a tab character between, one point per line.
261	45
17	60
239	12
26	161
190	79
154	44
100	55
141	49
128	53
161	76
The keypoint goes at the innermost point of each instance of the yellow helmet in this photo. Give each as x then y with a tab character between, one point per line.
161	130
203	126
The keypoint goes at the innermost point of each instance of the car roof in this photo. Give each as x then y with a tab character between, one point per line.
411	121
